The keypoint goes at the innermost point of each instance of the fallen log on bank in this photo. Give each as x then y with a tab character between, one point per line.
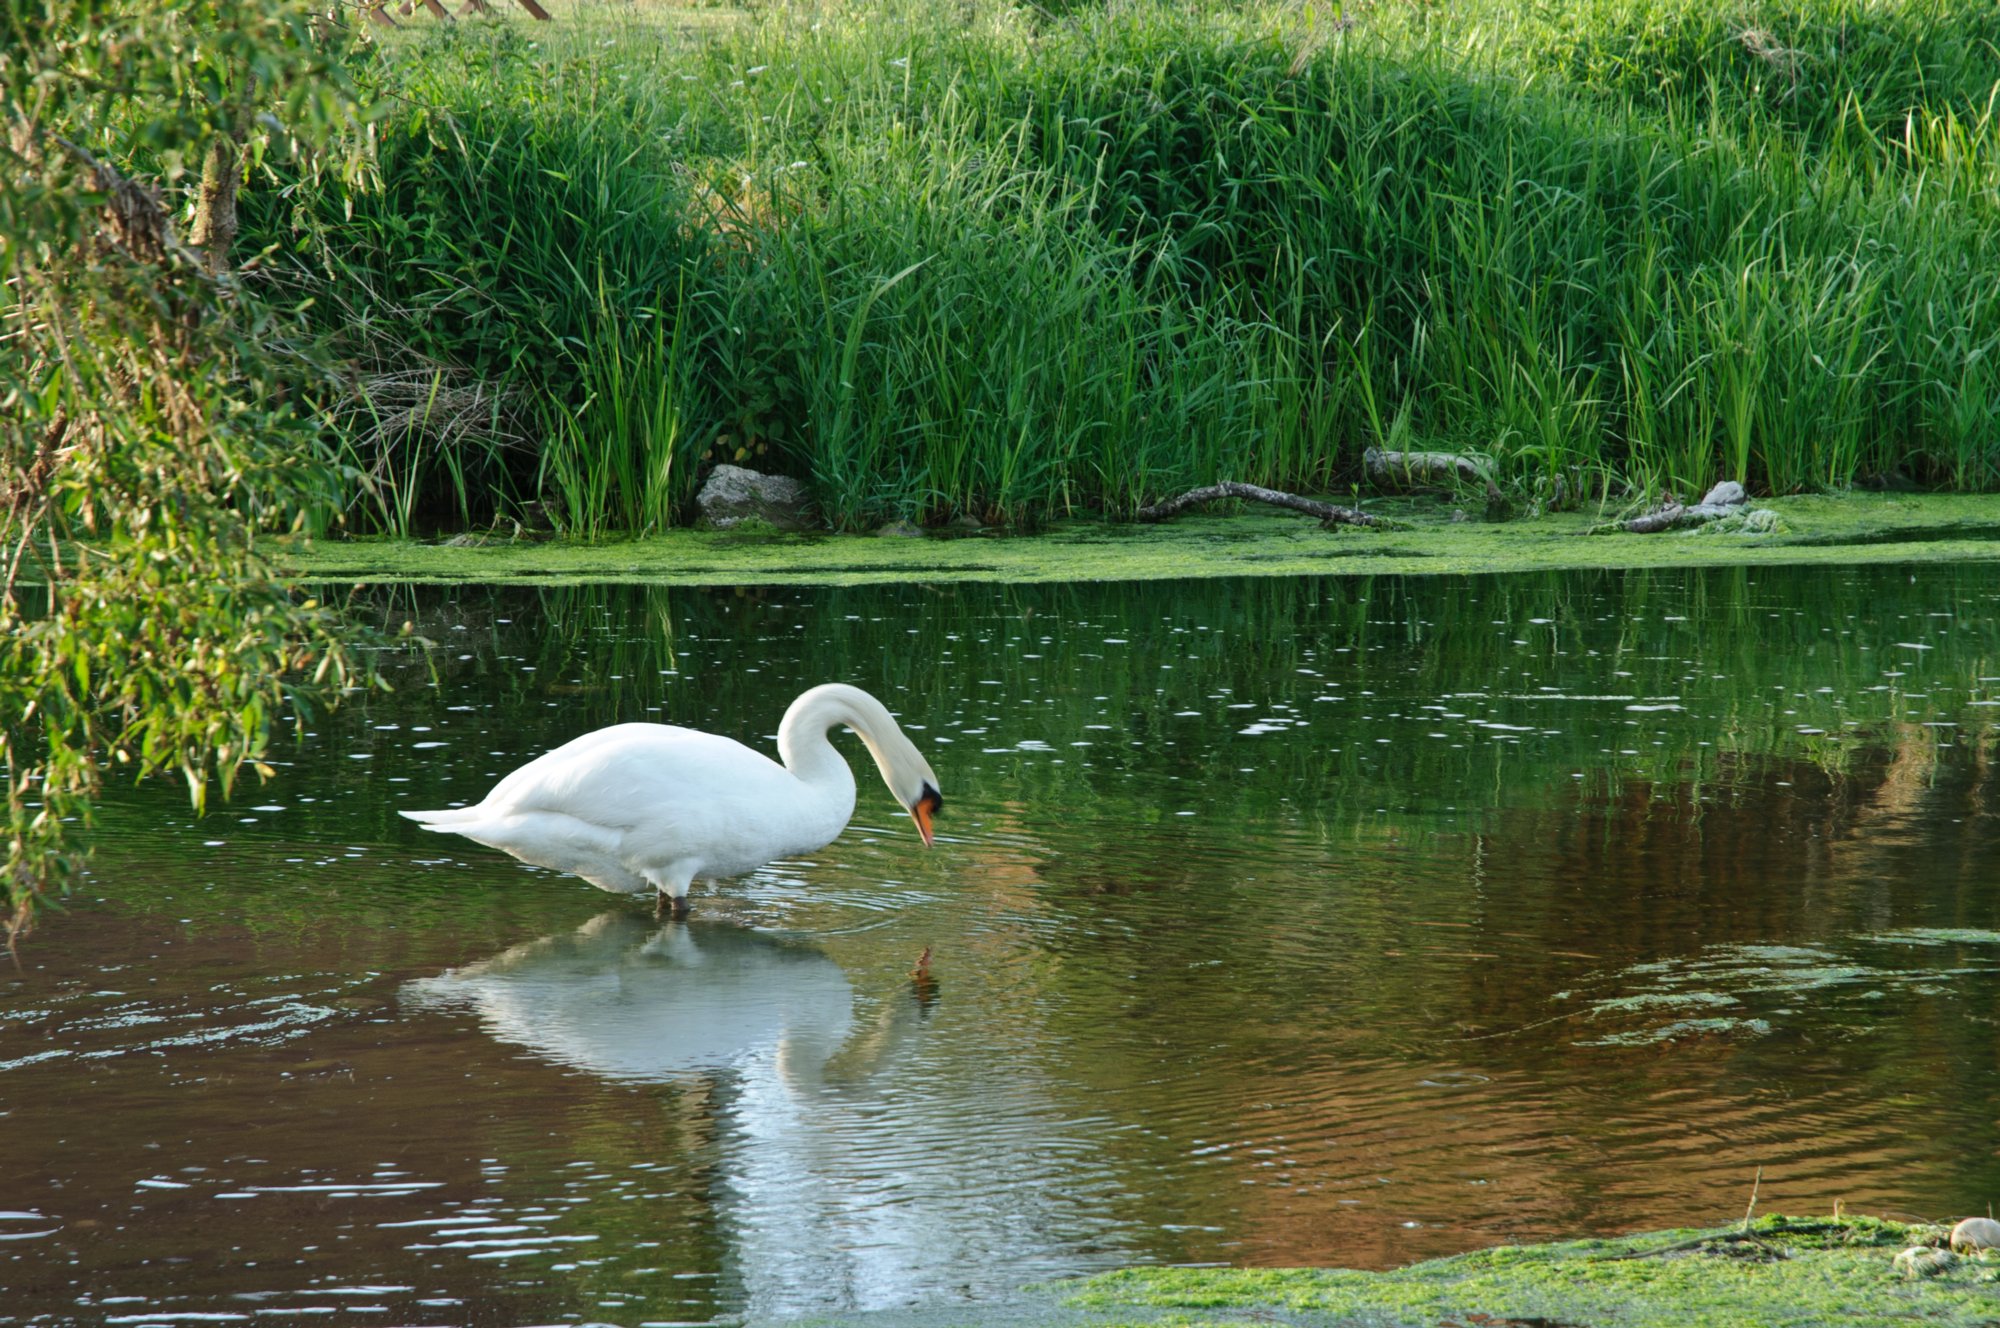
1328	513
1407	470
1725	499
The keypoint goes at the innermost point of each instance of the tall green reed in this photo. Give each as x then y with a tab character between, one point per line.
623	459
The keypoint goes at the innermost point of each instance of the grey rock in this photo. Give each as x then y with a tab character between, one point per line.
1726	494
733	495
1975	1233
900	530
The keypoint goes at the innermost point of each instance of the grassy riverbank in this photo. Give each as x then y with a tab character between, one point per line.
1840	530
1035	263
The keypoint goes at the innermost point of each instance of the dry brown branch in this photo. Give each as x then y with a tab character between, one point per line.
449	406
1701	1244
1725	499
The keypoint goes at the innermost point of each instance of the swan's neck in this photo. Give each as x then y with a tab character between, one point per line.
802	737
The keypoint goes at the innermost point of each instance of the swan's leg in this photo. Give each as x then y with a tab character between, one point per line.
670	891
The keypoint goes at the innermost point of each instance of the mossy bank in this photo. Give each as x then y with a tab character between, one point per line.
1428	540
1780	1272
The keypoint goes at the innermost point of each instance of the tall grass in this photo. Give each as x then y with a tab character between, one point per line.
623	459
947	259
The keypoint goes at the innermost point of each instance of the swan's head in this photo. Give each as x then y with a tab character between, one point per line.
926	806
910	777
904	769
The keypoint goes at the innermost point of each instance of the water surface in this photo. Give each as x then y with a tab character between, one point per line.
1273	922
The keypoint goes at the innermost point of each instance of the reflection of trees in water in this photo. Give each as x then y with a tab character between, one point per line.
1303	998
1357	961
1033	660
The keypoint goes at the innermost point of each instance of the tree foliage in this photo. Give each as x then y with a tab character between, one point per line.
150	423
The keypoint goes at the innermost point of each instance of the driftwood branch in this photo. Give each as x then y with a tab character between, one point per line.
1725	499
1703	1244
1328	513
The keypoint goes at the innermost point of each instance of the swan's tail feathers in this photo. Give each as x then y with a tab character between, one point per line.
447	819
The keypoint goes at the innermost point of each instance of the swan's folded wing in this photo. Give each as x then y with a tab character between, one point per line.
635	775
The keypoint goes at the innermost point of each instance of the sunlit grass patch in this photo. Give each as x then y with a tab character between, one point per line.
1022	264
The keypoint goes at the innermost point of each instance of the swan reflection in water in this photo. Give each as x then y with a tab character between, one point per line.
848	1171
635	1001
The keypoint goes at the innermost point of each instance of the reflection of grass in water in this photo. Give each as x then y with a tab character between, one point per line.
1752	658
1076	869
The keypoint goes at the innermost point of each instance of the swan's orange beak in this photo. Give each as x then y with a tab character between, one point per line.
927	807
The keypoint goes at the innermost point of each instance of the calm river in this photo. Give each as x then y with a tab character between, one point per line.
1273	922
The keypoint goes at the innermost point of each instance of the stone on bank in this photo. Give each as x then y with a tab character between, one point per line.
732	495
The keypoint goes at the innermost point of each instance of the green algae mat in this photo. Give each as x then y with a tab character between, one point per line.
1779	1272
1843	529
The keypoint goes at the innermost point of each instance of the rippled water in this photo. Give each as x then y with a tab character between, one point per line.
1273	922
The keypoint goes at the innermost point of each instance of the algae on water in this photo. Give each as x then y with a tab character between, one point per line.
1764	986
1937	936
1838	531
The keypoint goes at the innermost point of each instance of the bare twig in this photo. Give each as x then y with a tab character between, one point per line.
1673	515
1328	513
1697	1242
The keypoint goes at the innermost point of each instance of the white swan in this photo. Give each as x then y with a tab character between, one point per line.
639	807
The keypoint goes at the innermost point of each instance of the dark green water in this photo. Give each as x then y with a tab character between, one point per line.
1273	922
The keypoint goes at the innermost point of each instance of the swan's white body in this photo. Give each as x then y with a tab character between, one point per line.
639	807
